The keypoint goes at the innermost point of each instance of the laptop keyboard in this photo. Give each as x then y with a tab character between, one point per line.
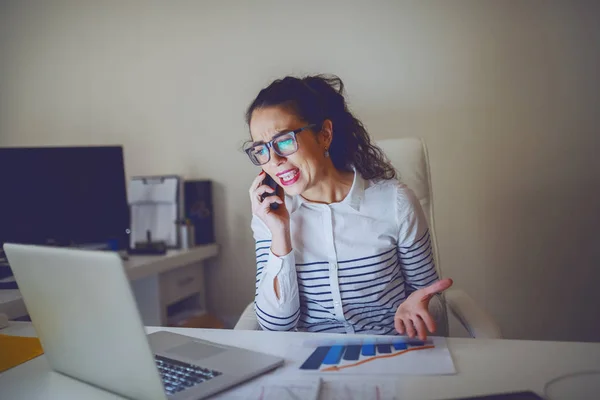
178	376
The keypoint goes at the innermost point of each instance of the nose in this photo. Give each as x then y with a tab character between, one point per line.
276	160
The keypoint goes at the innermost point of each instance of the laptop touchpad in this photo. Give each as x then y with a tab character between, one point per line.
195	351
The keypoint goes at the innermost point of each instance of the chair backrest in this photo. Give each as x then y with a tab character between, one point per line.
409	157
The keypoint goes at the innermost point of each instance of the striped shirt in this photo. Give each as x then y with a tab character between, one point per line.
352	264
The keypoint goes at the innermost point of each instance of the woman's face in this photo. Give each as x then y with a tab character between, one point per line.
299	171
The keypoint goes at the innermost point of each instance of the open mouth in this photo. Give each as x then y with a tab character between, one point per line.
289	177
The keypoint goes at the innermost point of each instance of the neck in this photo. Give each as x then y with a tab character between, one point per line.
333	186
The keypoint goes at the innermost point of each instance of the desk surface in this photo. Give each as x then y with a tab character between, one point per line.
11	303
484	366
138	267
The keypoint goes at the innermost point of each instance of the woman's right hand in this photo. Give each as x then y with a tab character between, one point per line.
278	221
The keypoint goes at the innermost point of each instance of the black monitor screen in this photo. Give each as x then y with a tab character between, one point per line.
67	195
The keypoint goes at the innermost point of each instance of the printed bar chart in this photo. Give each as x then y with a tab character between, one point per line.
342	356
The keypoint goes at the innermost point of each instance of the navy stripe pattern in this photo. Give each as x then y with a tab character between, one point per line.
354	262
417	263
266	320
371	289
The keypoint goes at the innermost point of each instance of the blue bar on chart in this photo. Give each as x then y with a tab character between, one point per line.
384	348
334	355
316	358
352	352
400	345
368	348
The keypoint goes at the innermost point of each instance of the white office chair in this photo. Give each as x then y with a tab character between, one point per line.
409	157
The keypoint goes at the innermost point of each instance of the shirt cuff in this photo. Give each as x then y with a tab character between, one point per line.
284	268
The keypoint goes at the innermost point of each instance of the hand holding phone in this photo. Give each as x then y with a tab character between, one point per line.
273	185
277	219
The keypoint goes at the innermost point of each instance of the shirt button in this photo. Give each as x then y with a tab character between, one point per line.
336	303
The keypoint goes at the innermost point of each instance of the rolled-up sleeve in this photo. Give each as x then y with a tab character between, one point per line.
273	312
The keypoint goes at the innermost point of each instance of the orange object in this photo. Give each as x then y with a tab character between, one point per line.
15	350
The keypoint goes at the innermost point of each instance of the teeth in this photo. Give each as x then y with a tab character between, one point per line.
289	175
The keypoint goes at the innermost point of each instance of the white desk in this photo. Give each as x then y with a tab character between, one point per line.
484	366
157	282
139	267
162	281
11	303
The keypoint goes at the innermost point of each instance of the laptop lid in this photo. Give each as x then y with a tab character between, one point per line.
85	316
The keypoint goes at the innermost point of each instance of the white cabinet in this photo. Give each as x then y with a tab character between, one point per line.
171	287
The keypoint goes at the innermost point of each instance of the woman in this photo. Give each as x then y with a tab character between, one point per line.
347	249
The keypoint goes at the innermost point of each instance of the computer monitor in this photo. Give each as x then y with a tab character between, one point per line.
64	195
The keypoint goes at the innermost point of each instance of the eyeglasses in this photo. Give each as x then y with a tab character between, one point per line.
284	144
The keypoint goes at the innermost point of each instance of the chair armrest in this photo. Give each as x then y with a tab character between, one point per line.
248	321
476	321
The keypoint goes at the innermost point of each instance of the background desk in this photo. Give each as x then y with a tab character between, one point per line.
484	366
158	283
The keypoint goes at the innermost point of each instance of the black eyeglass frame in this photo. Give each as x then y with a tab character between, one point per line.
270	145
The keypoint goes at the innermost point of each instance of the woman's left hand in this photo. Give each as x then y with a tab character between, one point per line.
412	316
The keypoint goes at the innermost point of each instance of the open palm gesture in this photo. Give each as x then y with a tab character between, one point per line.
412	316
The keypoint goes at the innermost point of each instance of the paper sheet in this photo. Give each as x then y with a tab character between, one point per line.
303	388
377	356
271	389
342	390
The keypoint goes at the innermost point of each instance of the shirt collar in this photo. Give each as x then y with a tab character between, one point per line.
353	199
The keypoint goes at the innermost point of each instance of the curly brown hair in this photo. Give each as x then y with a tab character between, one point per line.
315	99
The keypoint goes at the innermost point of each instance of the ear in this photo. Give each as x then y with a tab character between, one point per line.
326	134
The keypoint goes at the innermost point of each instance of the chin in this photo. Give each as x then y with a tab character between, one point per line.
295	189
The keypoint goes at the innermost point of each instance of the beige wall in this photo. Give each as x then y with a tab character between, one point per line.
506	94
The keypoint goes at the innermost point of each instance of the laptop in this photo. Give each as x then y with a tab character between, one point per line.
83	310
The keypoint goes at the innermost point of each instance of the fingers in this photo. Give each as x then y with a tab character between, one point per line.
257	181
265	206
414	324
419	327
399	325
428	320
410	329
257	189
438	286
262	189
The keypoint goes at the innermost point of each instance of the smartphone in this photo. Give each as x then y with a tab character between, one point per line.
506	396
271	182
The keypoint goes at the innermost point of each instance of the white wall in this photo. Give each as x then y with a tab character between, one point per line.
505	93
